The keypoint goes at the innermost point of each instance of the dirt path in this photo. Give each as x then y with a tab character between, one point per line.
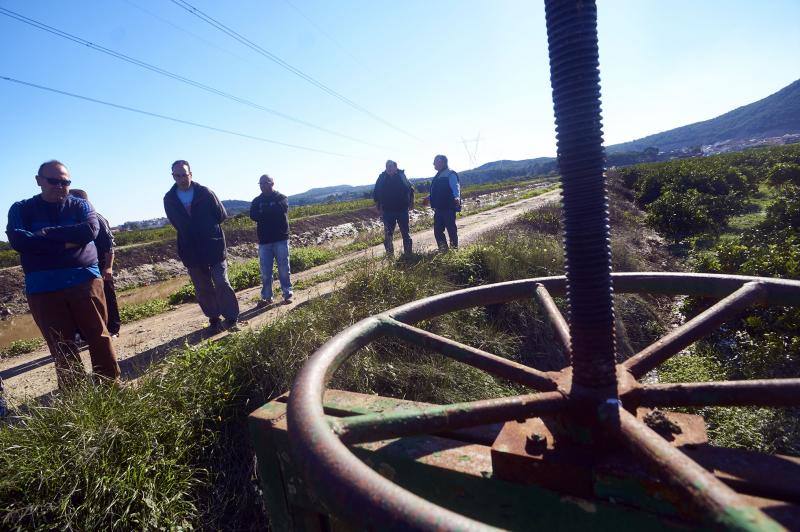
147	341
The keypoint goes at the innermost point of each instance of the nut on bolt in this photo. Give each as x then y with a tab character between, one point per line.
535	444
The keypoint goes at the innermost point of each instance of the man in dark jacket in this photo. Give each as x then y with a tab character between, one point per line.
54	234
270	211
105	258
445	199
196	214
394	197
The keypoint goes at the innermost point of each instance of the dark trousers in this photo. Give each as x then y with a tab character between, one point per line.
114	322
390	219
445	219
214	292
59	315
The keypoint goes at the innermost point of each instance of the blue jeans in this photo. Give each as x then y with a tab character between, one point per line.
390	219
267	254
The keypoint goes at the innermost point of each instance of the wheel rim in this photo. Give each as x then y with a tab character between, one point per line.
350	488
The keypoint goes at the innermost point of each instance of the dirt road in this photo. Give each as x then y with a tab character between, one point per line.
146	341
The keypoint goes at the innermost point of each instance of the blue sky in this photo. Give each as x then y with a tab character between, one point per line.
440	70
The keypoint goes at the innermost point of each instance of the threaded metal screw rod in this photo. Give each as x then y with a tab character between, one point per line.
574	76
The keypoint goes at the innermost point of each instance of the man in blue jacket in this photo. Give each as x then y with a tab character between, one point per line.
196	214
270	212
445	199
54	234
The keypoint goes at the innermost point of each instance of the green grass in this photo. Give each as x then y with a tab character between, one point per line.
247	274
174	451
21	347
130	313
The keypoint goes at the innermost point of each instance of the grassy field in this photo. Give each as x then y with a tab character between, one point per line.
173	452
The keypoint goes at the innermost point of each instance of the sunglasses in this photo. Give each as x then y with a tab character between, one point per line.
58	182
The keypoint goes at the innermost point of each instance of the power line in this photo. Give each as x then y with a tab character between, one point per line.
287	66
173	119
330	37
187	32
172	75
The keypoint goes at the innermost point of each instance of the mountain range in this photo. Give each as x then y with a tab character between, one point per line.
759	122
772	120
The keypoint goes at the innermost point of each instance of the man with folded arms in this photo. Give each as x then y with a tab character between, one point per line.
54	234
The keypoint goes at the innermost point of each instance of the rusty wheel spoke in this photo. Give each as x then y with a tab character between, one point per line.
719	505
694	329
557	321
381	426
478	358
763	392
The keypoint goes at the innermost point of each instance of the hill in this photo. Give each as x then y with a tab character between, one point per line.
751	125
234	207
334	193
775	115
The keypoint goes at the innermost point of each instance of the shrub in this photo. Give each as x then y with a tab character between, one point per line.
129	313
784	173
678	216
21	347
301	259
8	258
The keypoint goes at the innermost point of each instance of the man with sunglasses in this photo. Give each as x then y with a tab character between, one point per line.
196	214
54	234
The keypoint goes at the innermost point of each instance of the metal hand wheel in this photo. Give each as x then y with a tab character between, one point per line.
356	491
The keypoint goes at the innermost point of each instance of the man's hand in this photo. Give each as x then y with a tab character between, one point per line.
426	201
108	275
70	245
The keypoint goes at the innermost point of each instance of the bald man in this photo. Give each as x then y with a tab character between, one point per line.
54	234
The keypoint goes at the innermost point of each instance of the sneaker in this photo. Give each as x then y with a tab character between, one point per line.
287	300
214	325
264	303
229	324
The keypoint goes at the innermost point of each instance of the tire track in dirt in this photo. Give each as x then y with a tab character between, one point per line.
144	342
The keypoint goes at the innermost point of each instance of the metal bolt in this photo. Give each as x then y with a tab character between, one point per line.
535	444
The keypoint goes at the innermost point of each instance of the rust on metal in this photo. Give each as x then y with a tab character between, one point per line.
719	504
327	462
433	419
698	327
502	367
557	321
761	392
566	446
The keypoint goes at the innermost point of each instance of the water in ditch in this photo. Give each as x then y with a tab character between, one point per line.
23	327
